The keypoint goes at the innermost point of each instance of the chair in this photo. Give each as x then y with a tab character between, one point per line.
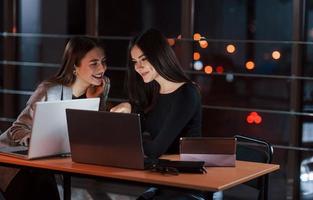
255	150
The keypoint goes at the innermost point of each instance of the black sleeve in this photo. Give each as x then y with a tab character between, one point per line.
181	113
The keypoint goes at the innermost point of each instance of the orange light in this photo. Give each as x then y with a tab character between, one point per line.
197	36
171	41
250	65
196	55
276	55
219	69
208	69
230	48
254	117
203	44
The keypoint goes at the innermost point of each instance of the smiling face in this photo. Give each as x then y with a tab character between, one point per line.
92	67
142	66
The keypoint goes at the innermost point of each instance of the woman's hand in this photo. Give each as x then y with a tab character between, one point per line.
95	90
122	108
25	140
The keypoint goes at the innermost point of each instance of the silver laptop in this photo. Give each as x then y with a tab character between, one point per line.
104	138
49	132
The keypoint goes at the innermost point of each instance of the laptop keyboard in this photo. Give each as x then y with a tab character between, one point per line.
13	149
22	152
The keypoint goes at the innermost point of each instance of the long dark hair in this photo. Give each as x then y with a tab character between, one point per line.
75	49
156	49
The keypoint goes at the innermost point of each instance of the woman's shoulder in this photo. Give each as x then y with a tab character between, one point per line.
188	97
191	85
41	91
190	88
188	92
45	86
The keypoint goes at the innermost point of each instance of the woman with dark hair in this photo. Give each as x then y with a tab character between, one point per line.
159	90
168	101
81	75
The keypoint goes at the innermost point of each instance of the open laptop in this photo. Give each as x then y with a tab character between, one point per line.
49	132
104	138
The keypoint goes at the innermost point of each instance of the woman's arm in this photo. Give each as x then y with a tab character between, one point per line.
105	94
124	107
182	111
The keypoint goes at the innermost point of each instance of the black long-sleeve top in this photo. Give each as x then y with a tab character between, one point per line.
175	115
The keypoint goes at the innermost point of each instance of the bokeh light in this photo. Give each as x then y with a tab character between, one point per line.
253	117
219	69
250	65
229	77
208	69
171	41
203	44
198	65
197	36
196	56
276	55
230	48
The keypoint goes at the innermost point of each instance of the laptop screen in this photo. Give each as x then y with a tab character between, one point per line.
104	138
49	133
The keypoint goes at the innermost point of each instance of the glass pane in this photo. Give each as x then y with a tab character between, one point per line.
244	19
36	16
245	92
39	49
308	62
247	58
117	52
135	16
308	96
1	16
28	76
1	59
227	122
1	47
14	104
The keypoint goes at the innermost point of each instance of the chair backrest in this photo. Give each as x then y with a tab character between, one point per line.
255	150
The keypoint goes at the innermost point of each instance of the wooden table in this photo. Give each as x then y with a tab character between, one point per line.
216	178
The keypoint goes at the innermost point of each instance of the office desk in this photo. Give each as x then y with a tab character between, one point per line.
216	178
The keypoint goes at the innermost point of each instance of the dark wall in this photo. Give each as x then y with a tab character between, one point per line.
119	19
76	17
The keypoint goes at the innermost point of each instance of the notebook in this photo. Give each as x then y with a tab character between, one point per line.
215	151
49	132
105	138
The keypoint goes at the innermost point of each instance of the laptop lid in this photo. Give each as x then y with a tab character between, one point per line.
104	138
49	132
